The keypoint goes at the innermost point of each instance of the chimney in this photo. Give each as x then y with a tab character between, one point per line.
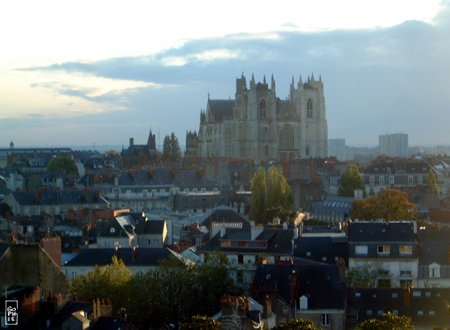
303	303
293	288
267	307
52	246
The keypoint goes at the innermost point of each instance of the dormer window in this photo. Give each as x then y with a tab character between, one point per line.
383	250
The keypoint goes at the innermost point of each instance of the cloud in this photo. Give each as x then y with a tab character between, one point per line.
377	80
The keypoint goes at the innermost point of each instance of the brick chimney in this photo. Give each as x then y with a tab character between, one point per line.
52	245
267	307
293	288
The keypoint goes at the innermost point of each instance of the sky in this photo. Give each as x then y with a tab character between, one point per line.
99	72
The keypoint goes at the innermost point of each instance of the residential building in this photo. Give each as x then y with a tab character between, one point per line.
245	248
152	234
392	247
305	289
138	260
394	145
434	261
427	308
337	148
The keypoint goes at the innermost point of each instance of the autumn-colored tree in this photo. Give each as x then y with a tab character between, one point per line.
389	321
271	196
107	282
389	204
350	181
297	324
432	182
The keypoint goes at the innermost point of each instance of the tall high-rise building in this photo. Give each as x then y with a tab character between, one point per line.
394	145
337	148
260	126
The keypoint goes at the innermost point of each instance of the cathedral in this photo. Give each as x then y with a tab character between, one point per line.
260	126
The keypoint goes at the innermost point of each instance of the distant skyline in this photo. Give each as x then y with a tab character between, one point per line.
85	73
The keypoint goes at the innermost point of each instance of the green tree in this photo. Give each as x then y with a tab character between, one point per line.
387	322
297	324
350	180
362	276
432	182
199	322
171	148
106	282
211	281
63	164
271	196
389	204
258	198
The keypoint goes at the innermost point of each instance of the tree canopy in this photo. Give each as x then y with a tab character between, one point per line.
199	322
389	204
171	148
350	180
271	196
172	295
297	324
432	182
387	322
62	164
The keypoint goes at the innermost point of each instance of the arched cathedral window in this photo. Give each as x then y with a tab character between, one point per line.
262	108
286	138
309	108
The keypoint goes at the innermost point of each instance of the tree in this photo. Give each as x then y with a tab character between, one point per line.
258	199
432	182
350	180
362	276
387	322
199	322
297	324
171	148
107	282
271	196
389	204
62	164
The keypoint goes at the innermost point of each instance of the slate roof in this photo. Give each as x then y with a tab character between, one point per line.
224	214
318	248
424	306
435	246
70	307
279	241
53	197
382	231
333	205
319	282
3	248
221	109
150	227
102	257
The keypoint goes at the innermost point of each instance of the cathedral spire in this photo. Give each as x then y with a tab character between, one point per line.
252	83
300	82
312	76
272	83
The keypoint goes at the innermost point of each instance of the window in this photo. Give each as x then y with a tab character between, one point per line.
307	150
406	249
434	271
391	179
240	258
395	295
262	104
420	313
309	109
325	320
431	313
371	179
410	179
361	249
383	249
369	312
405	273
381	179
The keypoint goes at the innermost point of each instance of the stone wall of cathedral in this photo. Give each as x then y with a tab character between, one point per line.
258	125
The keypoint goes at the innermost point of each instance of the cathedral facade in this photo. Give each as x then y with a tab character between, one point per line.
260	126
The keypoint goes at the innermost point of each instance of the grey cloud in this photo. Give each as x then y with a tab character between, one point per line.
376	81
